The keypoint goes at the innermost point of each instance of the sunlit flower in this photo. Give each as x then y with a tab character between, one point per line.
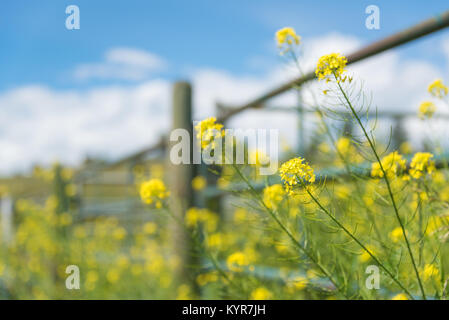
153	191
208	131
331	65
295	169
273	195
430	272
405	147
400	296
195	216
199	183
438	89
427	109
422	164
261	293
286	37
365	256
393	165
149	228
396	235
237	261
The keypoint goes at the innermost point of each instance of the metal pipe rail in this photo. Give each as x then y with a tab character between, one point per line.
426	27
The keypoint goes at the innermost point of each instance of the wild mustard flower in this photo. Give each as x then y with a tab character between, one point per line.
208	131
422	164
400	296
149	228
153	191
199	183
295	169
427	109
331	65
299	283
273	195
393	164
286	37
405	148
396	235
257	158
365	256
438	89
195	216
430	272
237	261
261	293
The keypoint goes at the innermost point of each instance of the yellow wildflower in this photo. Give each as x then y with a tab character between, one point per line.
396	234
205	278
400	296
287	37
153	191
422	164
208	131
343	145
430	272
365	256
331	65
273	196
149	228
261	293
194	216
299	283
199	183
438	89
427	109
295	169
237	261
393	164
405	148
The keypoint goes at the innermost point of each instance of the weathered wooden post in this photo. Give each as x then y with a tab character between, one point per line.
7	217
399	133
180	183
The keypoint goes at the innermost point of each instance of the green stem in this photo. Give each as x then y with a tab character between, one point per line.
390	274
387	182
288	233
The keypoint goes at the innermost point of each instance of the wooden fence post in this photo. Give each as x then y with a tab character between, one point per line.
399	133
7	217
180	184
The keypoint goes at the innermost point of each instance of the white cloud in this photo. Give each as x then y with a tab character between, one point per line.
40	124
122	63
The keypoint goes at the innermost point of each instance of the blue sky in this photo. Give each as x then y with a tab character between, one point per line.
104	90
230	35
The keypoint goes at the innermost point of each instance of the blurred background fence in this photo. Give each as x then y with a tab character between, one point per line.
109	189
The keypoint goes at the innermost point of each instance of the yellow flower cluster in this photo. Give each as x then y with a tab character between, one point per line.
421	164
331	64
199	183
195	216
430	272
393	164
153	191
261	293
208	131
273	196
427	109
295	169
237	261
438	89
287	36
